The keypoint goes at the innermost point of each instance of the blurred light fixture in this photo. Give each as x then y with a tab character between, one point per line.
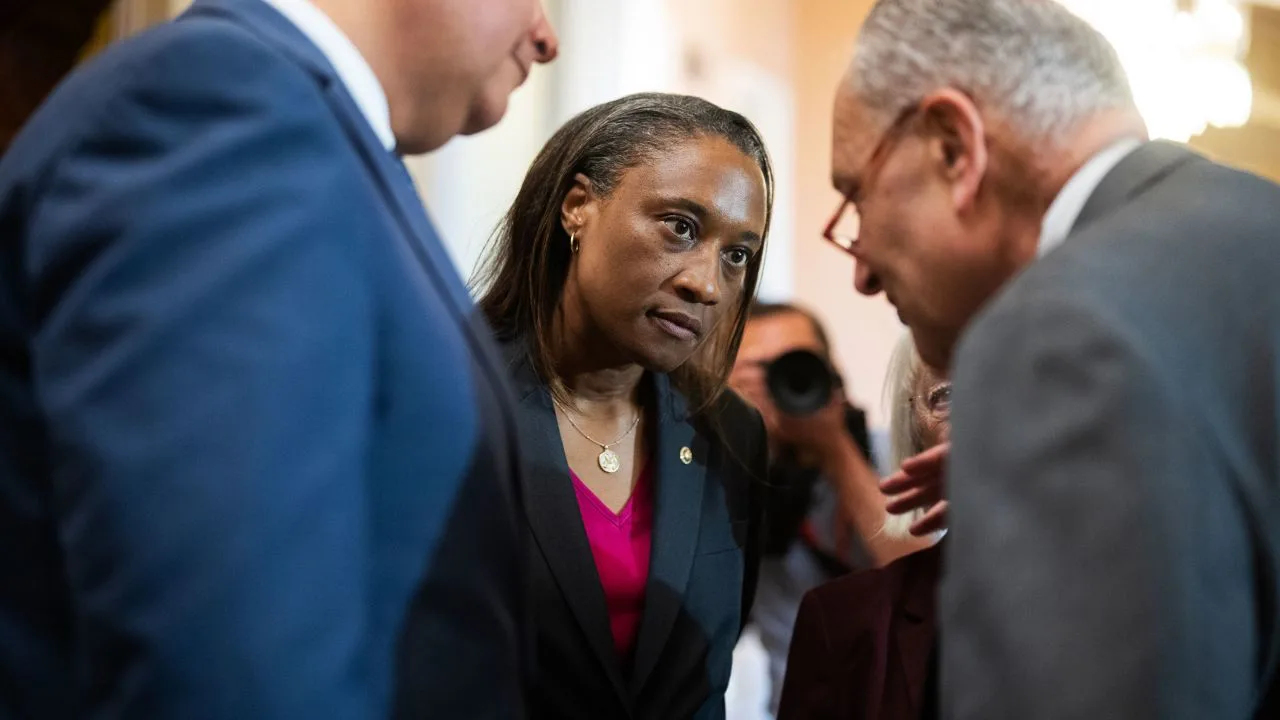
1183	58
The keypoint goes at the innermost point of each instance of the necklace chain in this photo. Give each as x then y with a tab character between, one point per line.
584	434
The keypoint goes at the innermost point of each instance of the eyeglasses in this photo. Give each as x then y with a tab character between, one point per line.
845	226
936	401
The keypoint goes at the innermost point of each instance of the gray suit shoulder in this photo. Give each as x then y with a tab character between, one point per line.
1191	256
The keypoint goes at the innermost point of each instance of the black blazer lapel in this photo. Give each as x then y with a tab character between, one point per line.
554	518
1138	171
679	488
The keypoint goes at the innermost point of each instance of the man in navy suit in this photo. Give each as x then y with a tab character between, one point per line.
256	455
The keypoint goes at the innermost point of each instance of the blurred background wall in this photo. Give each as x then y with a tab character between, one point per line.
1206	72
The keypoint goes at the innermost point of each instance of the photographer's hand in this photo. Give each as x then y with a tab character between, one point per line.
818	438
826	440
862	498
822	440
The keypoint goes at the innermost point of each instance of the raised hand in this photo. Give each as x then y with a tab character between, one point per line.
920	484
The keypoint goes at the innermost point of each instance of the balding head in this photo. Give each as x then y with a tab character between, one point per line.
1032	62
957	124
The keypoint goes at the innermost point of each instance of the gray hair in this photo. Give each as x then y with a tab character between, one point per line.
1033	62
905	439
901	379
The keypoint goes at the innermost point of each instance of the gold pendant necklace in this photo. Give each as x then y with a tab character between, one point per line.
608	460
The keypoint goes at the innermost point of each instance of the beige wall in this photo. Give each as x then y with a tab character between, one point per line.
863	330
757	30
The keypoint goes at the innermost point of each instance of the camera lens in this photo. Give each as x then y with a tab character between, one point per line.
800	382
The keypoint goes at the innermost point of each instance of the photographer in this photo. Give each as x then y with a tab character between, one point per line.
825	510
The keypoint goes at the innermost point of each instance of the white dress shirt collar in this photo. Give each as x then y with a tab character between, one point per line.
352	69
1066	207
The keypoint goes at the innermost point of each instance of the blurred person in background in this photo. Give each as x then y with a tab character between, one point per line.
1107	307
619	283
864	646
825	513
40	41
258	457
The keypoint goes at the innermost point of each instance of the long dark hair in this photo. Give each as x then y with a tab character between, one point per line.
527	260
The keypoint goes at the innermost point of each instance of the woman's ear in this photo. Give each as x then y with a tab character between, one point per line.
578	203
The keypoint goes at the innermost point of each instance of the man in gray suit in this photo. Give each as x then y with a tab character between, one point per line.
1110	310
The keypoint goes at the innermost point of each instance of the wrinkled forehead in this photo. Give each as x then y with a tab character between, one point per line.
854	131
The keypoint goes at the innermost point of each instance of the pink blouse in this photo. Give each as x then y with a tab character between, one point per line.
620	544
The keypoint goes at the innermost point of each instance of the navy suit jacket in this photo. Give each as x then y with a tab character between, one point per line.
257	456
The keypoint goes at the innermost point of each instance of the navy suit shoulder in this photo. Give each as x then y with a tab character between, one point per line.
258	456
178	59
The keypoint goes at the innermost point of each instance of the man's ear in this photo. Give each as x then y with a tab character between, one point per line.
578	203
958	141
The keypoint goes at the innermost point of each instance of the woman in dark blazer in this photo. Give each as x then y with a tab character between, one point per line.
865	646
619	284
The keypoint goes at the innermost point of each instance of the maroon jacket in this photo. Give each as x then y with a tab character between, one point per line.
864	646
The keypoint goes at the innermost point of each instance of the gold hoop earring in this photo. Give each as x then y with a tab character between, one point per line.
574	245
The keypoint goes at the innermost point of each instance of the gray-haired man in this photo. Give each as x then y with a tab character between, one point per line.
1110	310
